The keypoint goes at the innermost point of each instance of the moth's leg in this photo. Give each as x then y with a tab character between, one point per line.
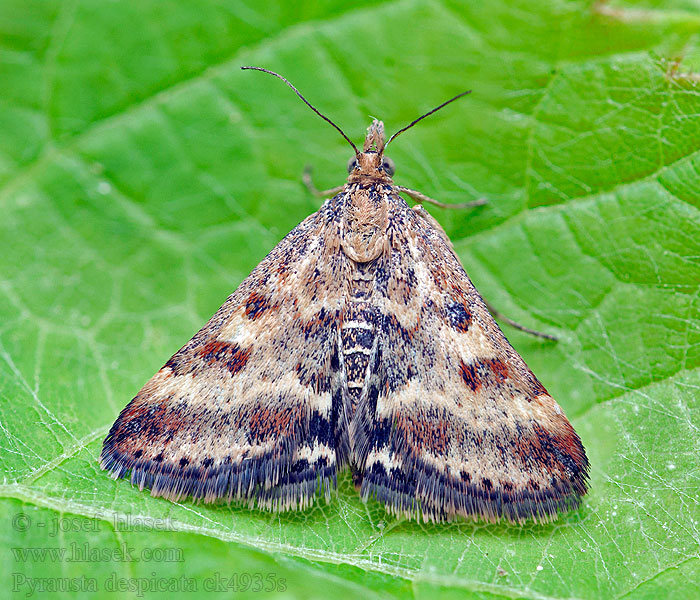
308	182
499	315
418	197
496	314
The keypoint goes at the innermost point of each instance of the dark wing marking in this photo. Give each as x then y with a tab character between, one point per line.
250	408
453	422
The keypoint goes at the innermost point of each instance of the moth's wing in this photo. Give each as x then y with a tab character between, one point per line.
453	421
250	407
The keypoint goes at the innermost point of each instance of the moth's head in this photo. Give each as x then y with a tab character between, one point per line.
371	162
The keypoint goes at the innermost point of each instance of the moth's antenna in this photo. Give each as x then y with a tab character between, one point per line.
437	108
298	93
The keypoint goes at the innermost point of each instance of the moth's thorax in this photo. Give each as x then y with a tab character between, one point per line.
364	222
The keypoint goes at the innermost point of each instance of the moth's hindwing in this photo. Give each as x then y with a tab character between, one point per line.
245	410
452	421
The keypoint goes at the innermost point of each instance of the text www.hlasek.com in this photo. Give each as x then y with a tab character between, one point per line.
86	553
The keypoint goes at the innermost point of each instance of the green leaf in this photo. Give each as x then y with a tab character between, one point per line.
143	175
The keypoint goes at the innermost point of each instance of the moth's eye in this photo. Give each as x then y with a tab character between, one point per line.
352	164
388	166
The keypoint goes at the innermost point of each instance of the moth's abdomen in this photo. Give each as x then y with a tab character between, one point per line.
357	336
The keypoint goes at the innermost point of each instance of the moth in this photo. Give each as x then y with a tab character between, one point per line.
359	341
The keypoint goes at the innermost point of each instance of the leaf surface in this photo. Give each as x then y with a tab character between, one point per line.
143	175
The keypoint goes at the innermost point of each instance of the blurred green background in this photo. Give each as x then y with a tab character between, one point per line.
143	175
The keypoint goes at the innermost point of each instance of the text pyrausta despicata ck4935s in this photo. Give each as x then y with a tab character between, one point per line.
358	341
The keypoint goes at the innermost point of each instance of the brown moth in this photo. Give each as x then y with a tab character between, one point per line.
358	341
